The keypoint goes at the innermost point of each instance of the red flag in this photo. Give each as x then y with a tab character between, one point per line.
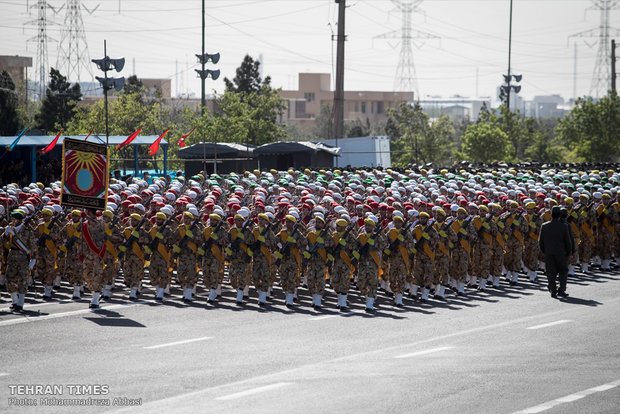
129	139
155	145
181	142
51	144
91	131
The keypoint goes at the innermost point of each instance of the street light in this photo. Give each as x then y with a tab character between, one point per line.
107	84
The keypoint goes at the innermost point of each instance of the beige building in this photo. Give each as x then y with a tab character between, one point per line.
314	91
16	67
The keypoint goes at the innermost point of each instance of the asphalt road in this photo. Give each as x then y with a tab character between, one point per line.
510	350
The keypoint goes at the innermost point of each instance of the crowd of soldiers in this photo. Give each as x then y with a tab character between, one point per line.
425	234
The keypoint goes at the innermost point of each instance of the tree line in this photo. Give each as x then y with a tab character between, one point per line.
250	111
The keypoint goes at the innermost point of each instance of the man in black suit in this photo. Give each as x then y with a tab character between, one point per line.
555	243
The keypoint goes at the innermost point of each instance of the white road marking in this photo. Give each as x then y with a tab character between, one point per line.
318	318
546	325
187	341
569	398
27	319
253	391
37	305
425	352
4	374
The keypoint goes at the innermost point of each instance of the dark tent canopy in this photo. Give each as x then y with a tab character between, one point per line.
228	156
284	155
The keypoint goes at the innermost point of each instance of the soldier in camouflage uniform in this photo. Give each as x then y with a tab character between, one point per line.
459	261
369	243
72	233
483	229
161	236
319	242
290	243
216	238
530	242
341	270
588	216
48	236
447	238
239	255
574	220
426	241
261	257
113	238
497	250
606	219
186	242
396	254
21	242
516	228
92	248
133	267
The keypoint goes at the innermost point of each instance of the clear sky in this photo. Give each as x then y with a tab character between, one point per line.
295	36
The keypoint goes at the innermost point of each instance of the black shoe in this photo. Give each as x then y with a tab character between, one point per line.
262	304
93	306
290	306
106	297
399	305
133	299
563	294
76	298
157	298
343	309
554	295
16	308
47	298
239	303
296	300
317	308
210	301
369	310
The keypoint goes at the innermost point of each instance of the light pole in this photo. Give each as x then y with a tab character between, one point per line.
105	65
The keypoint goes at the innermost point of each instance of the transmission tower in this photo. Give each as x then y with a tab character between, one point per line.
601	77
73	54
406	79
41	39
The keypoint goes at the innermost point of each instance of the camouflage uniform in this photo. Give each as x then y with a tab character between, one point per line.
530	244
17	270
369	262
586	236
46	252
317	262
93	264
606	218
398	243
342	269
290	264
239	267
159	266
262	260
447	239
459	261
133	267
483	230
113	238
516	228
426	240
187	275
497	251
213	259
72	263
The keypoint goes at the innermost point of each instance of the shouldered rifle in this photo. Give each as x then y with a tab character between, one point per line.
236	244
154	244
41	240
402	231
258	243
183	243
69	244
336	250
365	248
34	213
316	245
420	243
287	246
129	242
207	244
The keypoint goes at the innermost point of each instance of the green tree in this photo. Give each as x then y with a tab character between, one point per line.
9	120
58	106
247	77
592	129
485	142
324	122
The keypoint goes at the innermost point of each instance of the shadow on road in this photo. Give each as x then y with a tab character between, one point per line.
578	301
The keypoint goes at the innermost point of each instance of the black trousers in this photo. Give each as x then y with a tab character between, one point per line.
556	264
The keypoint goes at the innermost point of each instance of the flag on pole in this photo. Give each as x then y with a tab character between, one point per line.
51	145
10	147
129	139
89	134
155	145
181	142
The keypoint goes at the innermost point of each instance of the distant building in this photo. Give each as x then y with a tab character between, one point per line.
547	106
16	66
362	151
314	91
456	107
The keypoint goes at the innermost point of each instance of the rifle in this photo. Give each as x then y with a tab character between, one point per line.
257	243
393	245
44	237
364	250
313	249
420	243
207	244
71	241
235	245
185	238
154	244
287	246
129	242
34	213
339	246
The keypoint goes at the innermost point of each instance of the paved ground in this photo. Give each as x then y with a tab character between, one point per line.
505	351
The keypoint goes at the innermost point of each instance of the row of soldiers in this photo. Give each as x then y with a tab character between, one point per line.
298	235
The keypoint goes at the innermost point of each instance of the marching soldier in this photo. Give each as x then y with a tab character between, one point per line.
497	250
446	239
530	244
92	248
483	230
290	243
216	237
239	254
426	240
459	261
135	236
160	236
516	227
342	269
320	242
586	232
606	218
399	241
72	233
261	257
113	238
370	242
48	235
187	240
21	242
